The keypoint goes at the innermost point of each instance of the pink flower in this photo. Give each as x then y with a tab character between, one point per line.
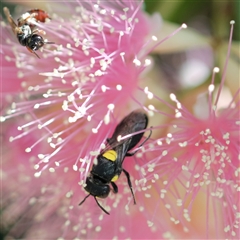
46	206
83	77
64	113
195	167
69	102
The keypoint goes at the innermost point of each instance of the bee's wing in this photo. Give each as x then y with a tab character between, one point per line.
14	26
122	151
133	122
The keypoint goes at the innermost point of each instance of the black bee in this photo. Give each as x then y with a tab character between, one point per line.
24	30
109	162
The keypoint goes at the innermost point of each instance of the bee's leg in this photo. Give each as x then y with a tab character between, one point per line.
115	187
129	184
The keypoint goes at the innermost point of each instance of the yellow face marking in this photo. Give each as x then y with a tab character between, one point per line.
115	178
110	155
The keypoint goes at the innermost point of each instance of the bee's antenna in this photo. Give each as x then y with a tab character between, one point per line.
101	206
35	54
96	202
49	42
84	199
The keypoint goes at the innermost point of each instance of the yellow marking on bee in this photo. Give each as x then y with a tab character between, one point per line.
115	178
110	155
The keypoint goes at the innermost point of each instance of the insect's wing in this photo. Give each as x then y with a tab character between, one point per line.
10	20
134	122
122	150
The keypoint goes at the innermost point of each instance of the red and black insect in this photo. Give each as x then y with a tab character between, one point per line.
39	15
109	162
31	16
25	30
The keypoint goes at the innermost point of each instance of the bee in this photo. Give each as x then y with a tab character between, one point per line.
25	30
109	162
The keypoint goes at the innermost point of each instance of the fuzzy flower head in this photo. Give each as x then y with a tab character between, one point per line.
93	66
65	112
196	166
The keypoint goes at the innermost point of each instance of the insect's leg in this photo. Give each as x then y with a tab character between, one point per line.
129	184
129	154
38	31
115	187
84	199
101	206
31	51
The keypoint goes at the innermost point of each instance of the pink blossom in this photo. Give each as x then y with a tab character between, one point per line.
195	167
46	206
64	113
71	100
83	77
